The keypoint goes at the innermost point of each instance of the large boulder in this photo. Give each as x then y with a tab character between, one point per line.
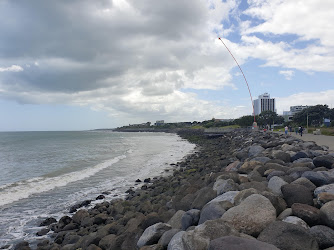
202	197
200	237
319	178
152	234
255	150
238	243
324	161
223	186
288	236
324	236
167	236
310	214
293	193
327	214
176	220
190	218
275	184
305	182
176	242
211	211
297	221
252	215
248	166
324	189
282	156
299	155
228	196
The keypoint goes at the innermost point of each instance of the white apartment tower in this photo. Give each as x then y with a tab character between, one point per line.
264	103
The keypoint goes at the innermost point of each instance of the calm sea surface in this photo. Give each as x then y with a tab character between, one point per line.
42	174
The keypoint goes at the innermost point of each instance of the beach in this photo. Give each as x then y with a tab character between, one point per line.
239	189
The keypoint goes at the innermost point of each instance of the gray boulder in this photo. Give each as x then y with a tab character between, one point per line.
293	193
203	196
297	221
299	155
288	236
200	237
190	218
237	243
324	189
324	236
175	221
242	195
176	243
228	196
211	211
167	236
262	159
223	186
324	161
319	178
275	184
152	234
255	150
282	156
327	214
252	215
305	182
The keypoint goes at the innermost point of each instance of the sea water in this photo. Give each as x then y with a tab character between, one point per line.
43	174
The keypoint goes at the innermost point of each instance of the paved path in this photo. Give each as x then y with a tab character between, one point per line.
318	139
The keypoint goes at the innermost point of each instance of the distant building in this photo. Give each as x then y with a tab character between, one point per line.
288	115
159	123
264	103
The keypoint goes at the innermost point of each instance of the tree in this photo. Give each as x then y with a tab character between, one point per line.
245	121
269	117
314	114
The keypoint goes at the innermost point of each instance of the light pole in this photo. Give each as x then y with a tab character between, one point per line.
307	121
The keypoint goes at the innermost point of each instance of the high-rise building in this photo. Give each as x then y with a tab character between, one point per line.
264	103
288	115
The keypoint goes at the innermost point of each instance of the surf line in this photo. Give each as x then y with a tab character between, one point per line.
242	74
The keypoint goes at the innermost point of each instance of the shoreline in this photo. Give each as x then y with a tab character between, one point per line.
237	163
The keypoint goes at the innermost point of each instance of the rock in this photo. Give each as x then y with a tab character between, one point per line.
237	243
138	180
309	214
100	218
43	231
228	196
293	193
324	161
176	243
87	240
260	186
79	205
211	211
252	215
203	196
23	245
248	166
327	214
79	216
100	197
233	166
324	236
275	184
70	238
150	220
152	234
297	221
255	176
298	156
242	195
287	212
190	218
277	201
305	182
176	220
200	237
47	222
324	189
288	236
319	178
275	173
255	150
147	180
282	156
223	186
262	159
167	236
323	198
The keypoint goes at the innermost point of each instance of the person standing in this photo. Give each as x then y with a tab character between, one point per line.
286	130
301	131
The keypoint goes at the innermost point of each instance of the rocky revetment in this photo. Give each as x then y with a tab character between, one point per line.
239	190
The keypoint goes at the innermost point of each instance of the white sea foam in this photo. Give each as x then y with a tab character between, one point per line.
24	189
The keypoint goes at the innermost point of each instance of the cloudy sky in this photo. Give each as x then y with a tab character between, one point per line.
72	65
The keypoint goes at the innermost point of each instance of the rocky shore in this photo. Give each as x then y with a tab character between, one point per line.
241	190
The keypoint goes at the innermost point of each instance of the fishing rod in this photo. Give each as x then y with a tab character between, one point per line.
242	74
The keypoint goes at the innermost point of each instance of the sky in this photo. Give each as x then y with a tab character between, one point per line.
77	65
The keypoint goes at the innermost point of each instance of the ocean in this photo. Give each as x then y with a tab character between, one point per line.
43	174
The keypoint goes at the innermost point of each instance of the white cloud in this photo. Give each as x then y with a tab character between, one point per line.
13	68
305	98
288	74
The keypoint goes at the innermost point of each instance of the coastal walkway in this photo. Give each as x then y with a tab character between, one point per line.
318	139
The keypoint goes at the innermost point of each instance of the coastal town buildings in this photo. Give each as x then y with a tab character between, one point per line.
264	103
288	115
